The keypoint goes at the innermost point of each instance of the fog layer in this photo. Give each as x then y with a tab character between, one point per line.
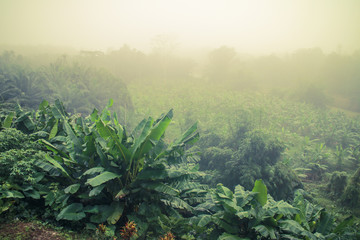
257	27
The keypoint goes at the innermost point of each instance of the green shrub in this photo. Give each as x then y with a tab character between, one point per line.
351	196
19	176
254	155
255	215
17	156
337	184
98	172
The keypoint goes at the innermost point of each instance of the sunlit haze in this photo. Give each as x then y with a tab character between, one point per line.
251	26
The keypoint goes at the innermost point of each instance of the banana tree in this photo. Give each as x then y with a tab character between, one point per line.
107	173
250	215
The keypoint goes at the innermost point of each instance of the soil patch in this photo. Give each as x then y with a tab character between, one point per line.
29	231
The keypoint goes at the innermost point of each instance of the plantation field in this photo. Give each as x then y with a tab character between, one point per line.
214	162
179	120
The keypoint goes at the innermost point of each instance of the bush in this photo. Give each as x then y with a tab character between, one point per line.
337	183
250	155
312	95
19	176
351	196
17	156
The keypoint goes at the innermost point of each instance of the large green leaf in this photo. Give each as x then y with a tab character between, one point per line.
261	189
73	212
95	208
242	197
156	132
58	110
43	105
326	223
224	192
93	171
52	148
283	208
47	167
227	236
135	149
119	128
56	113
101	154
193	139
94	116
8	120
242	214
162	188
54	129
116	209
302	205
96	190
265	231
49	199
176	202
148	138
102	178
5	205
109	134
72	188
189	134
58	166
103	130
25	118
110	213
33	194
229	228
71	135
204	220
294	227
29	124
12	194
138	129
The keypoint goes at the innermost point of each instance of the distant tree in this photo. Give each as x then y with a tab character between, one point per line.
18	82
82	88
220	60
163	48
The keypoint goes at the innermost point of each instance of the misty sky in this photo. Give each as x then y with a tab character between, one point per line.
251	26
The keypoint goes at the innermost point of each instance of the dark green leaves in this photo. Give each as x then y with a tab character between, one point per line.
72	188
116	209
227	236
58	166
102	178
96	191
294	227
204	220
94	160
54	130
261	189
8	120
94	170
73	212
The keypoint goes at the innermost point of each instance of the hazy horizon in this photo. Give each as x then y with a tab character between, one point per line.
253	27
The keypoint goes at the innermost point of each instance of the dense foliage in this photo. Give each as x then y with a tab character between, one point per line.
81	88
19	177
97	172
255	215
248	155
91	172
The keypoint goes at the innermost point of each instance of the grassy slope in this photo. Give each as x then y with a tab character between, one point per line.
216	109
